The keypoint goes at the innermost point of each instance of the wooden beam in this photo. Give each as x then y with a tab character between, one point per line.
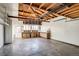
67	8
37	11
27	15
41	5
45	18
20	17
33	9
75	17
50	6
24	11
56	14
30	4
50	15
63	10
75	14
43	11
71	10
23	8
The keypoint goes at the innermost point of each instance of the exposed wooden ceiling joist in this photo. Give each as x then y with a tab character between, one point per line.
27	14
71	10
42	4
49	10
50	15
19	17
39	12
44	11
67	8
63	10
73	17
50	6
30	4
76	14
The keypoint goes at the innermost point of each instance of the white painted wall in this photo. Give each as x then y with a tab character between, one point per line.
11	9
2	10
7	8
1	35
65	31
15	25
45	26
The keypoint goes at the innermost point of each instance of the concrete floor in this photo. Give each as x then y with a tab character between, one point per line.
39	47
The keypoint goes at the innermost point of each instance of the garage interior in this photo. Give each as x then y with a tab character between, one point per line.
39	29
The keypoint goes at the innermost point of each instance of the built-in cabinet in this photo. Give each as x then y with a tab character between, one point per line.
34	34
30	34
45	35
